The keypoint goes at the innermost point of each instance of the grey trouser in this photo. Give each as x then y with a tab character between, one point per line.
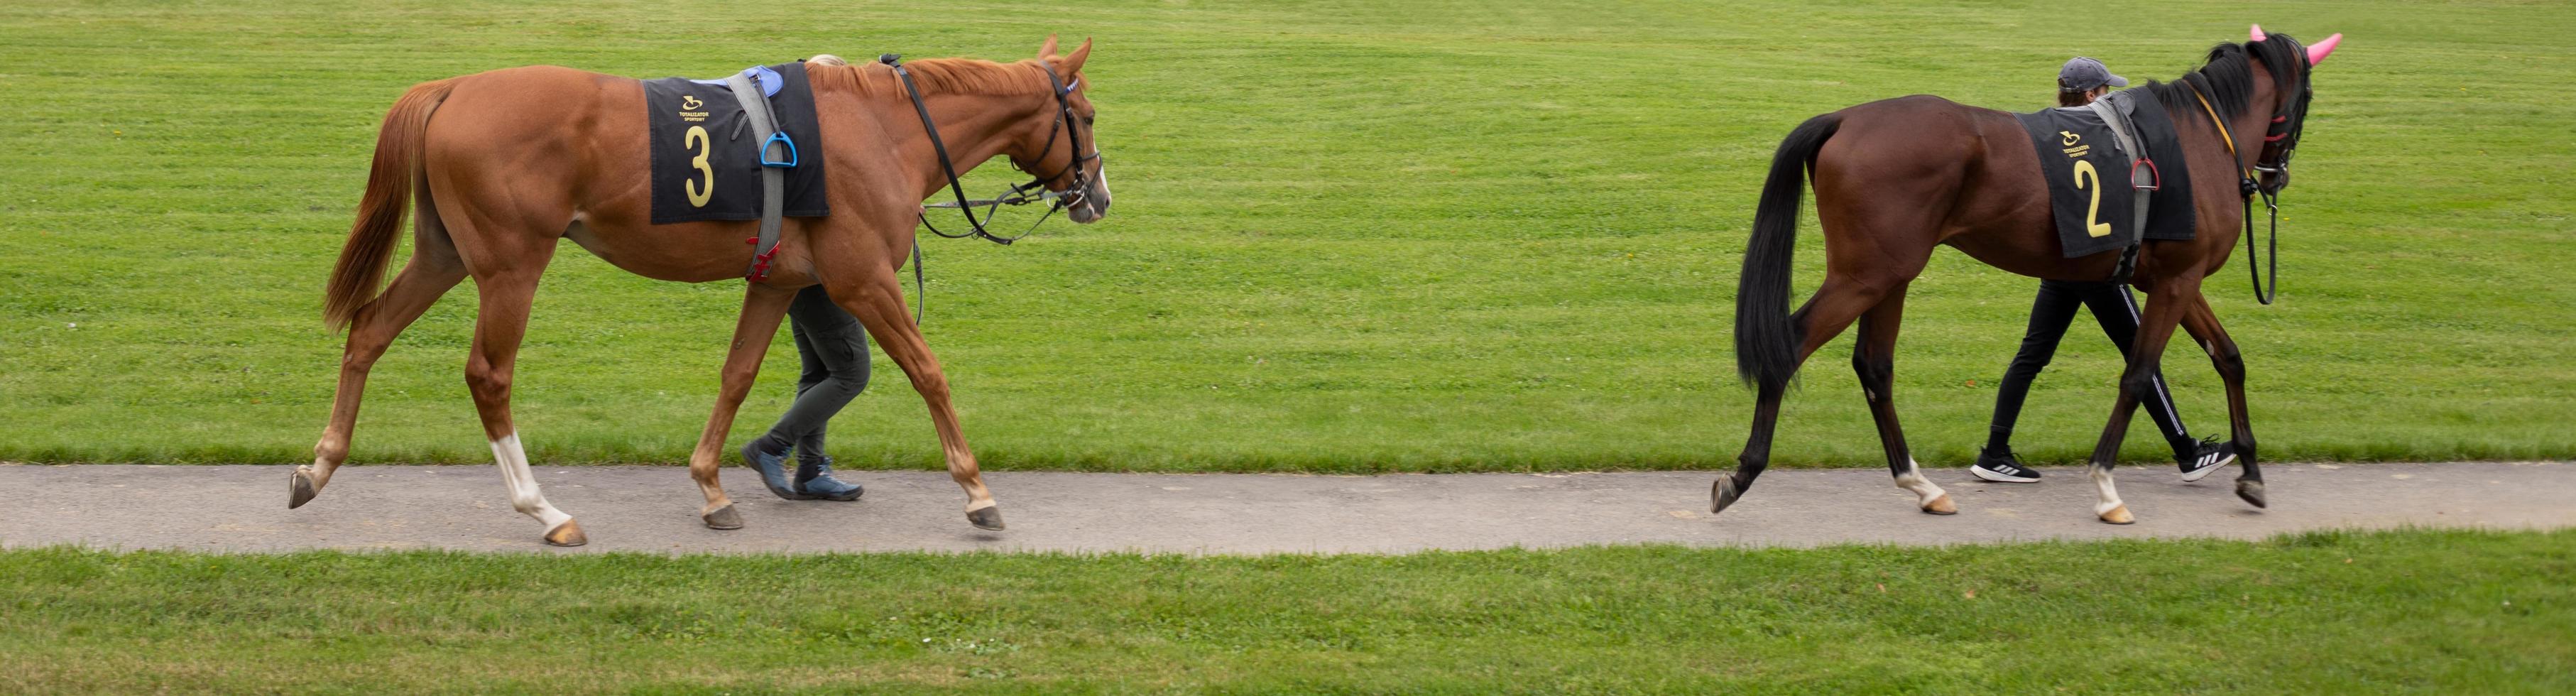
834	349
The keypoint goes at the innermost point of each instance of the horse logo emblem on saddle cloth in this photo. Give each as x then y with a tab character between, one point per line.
706	159
2092	195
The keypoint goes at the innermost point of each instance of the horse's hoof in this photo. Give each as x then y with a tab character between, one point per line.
299	488
723	518
1941	506
567	534
2118	515
2252	491
1723	493
986	518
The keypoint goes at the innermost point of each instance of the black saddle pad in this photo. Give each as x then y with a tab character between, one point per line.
2090	194
706	160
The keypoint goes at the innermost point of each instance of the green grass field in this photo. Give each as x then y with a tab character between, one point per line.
1350	236
2419	611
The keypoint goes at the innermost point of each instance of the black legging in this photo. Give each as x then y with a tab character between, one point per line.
2049	317
834	349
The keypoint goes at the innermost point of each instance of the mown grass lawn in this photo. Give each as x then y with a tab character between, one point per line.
1350	236
2426	611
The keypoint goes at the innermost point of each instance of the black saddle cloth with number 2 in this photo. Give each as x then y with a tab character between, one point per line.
706	159
2090	193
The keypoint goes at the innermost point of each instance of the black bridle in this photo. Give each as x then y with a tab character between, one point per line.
1022	194
2288	122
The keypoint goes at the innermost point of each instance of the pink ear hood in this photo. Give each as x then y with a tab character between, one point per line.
2316	54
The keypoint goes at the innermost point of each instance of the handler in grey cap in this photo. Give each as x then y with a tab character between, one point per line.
2078	83
2083	79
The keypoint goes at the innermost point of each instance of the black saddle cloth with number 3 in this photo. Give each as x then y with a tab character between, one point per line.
2089	185
706	159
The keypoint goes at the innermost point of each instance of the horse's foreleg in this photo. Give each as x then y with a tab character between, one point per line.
1833	308
2203	325
2164	311
877	300
1874	359
762	306
427	276
503	321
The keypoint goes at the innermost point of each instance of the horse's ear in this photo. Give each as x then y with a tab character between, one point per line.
1047	50
1072	62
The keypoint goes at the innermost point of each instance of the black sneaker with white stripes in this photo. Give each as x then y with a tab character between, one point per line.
2206	459
1998	465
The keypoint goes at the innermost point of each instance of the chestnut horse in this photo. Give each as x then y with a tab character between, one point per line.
1895	178
517	159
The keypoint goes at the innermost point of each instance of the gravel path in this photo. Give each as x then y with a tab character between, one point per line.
654	509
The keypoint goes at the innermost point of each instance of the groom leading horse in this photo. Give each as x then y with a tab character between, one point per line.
506	163
1896	178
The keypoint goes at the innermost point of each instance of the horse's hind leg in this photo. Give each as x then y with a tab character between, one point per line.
1824	316
498	328
2203	325
433	269
1874	359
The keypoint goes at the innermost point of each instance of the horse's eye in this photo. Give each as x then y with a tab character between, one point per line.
1086	120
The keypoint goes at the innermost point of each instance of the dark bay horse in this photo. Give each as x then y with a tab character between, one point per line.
1896	178
518	159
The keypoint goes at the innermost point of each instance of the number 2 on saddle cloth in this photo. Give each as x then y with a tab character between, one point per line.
2091	196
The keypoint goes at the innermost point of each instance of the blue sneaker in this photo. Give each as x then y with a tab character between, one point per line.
821	484
773	471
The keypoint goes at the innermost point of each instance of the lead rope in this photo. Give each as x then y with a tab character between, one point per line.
2247	189
920	295
2272	202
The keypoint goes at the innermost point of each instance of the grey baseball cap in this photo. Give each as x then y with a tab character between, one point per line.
2087	73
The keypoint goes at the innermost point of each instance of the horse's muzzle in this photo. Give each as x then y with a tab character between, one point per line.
1094	203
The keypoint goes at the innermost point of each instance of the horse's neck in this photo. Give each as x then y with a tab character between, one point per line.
974	128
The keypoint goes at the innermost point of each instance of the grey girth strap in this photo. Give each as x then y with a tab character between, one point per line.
2114	109
773	180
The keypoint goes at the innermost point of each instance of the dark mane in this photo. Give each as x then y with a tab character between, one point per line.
2227	77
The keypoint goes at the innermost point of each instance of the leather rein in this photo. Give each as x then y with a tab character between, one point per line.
1022	194
1033	191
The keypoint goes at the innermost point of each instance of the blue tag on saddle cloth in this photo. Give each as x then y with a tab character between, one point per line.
768	79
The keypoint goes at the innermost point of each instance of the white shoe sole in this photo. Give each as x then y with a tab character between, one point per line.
1999	477
2191	476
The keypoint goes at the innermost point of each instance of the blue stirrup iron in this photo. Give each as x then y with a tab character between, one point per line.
779	138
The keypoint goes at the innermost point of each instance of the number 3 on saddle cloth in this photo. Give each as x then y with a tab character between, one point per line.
2091	194
708	155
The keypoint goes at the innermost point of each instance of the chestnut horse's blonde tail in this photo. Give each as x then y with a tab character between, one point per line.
361	270
1766	340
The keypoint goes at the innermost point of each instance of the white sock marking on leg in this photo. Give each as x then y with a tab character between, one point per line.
1914	481
2110	495
522	483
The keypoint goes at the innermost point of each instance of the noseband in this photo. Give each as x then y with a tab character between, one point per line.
1023	194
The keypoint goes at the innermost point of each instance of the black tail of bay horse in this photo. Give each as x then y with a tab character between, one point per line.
1766	342
1896	178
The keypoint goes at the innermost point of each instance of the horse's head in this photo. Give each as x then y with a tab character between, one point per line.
1059	148
2286	58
